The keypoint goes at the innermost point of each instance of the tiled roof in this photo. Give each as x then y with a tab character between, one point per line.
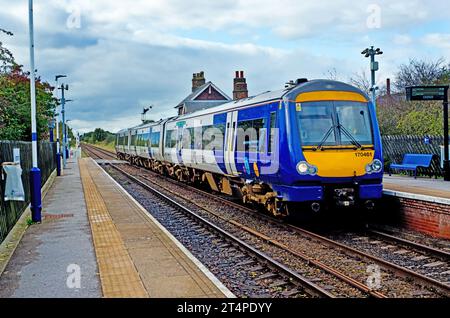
193	106
191	97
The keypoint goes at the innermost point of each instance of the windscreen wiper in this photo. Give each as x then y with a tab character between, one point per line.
325	138
350	136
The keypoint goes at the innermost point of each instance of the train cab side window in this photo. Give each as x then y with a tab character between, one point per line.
272	132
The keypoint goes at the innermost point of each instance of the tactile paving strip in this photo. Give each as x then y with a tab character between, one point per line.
118	275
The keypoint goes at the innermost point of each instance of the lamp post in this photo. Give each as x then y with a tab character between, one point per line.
64	88
58	146
35	174
144	113
374	66
66	132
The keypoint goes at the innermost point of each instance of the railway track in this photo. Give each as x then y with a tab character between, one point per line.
432	285
98	153
273	274
418	246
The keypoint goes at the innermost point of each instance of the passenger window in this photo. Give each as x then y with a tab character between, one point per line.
155	139
251	136
171	139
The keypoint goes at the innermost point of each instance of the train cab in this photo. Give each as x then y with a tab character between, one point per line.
336	145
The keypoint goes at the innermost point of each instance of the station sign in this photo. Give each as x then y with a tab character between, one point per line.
435	93
426	93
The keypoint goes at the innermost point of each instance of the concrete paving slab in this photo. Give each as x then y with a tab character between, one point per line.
165	269
50	252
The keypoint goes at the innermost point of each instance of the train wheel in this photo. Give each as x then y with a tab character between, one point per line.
279	212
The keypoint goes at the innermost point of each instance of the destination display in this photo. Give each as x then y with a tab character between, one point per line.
426	93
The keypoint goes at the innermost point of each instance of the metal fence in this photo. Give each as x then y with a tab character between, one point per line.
10	212
395	147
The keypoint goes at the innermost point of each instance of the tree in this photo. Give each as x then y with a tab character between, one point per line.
332	74
6	57
425	120
15	111
362	81
99	135
421	72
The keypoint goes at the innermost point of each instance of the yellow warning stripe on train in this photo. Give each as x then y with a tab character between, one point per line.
330	96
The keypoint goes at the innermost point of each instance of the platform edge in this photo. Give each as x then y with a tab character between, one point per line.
419	197
227	293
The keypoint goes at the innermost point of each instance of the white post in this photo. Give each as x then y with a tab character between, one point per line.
33	87
35	173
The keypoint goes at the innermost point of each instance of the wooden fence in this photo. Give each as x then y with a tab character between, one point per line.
395	147
10	212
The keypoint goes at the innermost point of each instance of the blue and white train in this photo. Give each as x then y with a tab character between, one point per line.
314	144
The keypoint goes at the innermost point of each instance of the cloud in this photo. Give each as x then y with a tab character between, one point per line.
130	54
437	40
402	39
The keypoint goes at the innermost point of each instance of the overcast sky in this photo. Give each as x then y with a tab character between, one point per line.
123	55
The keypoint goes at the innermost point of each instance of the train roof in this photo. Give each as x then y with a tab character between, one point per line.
266	97
272	96
142	126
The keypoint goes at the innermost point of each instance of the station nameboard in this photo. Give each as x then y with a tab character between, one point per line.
426	93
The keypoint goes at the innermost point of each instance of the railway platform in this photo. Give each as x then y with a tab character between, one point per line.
421	205
421	186
97	241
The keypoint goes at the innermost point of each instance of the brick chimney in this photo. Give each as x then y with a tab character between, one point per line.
388	87
240	86
198	80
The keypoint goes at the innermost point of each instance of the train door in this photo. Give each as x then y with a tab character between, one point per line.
179	145
230	143
149	142
270	153
128	142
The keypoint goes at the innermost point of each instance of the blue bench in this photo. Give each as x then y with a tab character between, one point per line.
411	162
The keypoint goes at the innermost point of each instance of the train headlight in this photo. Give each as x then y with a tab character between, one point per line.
302	167
375	167
305	168
312	170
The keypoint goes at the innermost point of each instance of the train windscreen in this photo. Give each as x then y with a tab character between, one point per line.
338	123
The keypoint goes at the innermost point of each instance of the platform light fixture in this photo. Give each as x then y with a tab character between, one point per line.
58	146
374	67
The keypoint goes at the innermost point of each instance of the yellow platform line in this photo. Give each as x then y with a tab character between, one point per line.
118	275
